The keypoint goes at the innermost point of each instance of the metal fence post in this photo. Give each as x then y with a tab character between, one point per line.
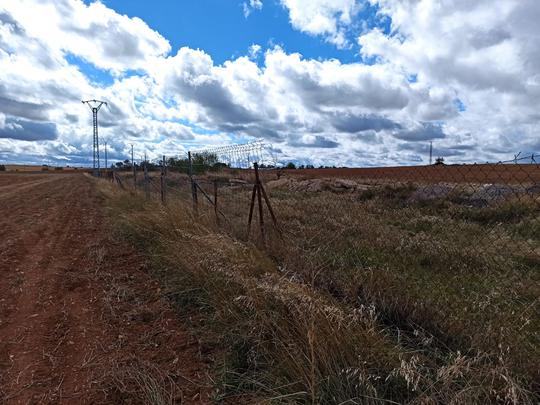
162	181
146	180
259	200
134	169
216	211
260	193
193	185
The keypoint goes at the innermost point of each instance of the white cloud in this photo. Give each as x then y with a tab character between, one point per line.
250	6
349	113
300	104
94	32
254	51
329	18
485	53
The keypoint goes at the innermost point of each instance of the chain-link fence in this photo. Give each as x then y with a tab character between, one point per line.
448	255
486	212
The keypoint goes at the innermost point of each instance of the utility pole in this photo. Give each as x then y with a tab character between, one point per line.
106	165
133	167
430	152
95	106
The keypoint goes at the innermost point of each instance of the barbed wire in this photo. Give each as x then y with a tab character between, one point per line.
241	155
517	158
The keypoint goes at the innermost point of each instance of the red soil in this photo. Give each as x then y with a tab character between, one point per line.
483	173
80	320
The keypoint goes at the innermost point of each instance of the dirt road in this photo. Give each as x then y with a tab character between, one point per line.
80	320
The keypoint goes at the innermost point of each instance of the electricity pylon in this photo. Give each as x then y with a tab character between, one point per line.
95	105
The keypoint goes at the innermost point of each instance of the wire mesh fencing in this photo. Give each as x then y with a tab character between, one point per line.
487	212
446	256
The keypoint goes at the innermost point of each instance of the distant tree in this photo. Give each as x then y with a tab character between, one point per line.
310	167
200	163
439	161
290	165
150	166
125	165
2	168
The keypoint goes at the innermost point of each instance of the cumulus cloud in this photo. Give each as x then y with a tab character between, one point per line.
250	6
33	111
317	141
457	74
288	94
328	18
359	123
25	130
423	132
485	54
94	32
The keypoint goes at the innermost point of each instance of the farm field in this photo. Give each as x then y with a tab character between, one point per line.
80	320
40	168
477	173
379	289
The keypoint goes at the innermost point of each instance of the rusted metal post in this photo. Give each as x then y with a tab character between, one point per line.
162	181
259	200
274	219
193	185
146	180
251	206
216	211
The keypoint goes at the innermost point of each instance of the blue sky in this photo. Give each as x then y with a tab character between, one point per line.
334	82
221	29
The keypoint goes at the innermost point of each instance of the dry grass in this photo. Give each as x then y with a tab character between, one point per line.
369	300
470	287
142	382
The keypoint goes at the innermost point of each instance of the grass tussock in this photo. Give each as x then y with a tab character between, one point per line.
365	316
138	382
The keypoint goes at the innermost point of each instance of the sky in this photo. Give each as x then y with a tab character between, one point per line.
324	82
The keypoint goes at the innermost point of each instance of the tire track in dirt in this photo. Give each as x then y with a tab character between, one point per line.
80	321
9	190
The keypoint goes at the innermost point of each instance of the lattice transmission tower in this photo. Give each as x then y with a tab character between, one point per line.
95	106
